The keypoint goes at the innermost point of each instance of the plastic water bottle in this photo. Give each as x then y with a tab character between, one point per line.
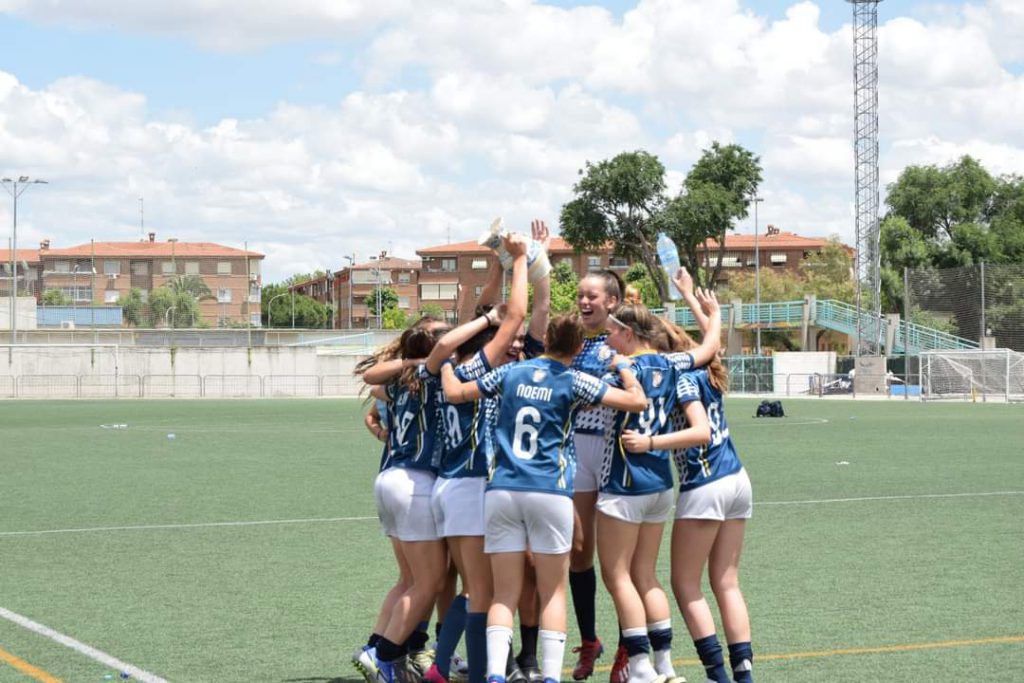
669	257
537	265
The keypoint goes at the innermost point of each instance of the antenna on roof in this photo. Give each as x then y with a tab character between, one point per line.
142	218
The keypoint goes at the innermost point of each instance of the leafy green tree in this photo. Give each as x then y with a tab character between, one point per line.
171	308
934	199
638	276
828	273
690	219
55	297
388	300
299	278
395	319
133	307
431	309
277	309
616	201
563	288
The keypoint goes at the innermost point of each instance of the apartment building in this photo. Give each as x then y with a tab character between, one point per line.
777	250
101	272
345	291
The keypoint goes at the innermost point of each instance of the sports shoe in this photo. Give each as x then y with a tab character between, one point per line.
458	669
495	679
419	662
677	679
589	651
620	668
386	671
517	676
365	661
433	675
533	674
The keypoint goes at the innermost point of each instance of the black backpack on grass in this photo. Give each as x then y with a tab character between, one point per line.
770	409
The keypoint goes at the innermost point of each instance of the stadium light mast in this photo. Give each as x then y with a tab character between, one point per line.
865	142
24	181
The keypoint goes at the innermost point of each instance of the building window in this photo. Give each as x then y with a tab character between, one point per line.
77	293
167	267
730	261
479	264
253	266
567	260
223	267
477	290
140	267
593	262
618	262
403	302
223	295
404	278
112	267
62	266
191	267
369	277
439	292
110	296
254	319
449	265
778	259
254	293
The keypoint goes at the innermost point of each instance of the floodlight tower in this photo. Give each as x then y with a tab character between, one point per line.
865	142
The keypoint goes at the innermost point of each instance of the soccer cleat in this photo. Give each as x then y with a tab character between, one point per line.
495	679
419	662
365	661
458	669
433	675
589	651
517	675
533	674
677	679
386	672
620	667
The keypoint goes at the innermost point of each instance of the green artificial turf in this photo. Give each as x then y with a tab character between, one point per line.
931	553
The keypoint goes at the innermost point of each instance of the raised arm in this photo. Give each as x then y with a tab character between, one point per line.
452	339
684	283
456	391
712	341
515	310
387	370
630	397
696	433
541	309
374	424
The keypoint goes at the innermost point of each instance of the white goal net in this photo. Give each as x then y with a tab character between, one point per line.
996	374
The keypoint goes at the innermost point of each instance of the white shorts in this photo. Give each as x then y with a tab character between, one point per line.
403	504
527	520
589	459
458	506
727	498
648	508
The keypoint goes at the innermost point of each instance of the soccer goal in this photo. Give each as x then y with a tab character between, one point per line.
996	374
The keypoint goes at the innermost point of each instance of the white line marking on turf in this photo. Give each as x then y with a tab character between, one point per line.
329	520
198	525
919	496
91	652
804	421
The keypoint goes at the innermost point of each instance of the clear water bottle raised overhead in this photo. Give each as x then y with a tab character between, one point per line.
669	257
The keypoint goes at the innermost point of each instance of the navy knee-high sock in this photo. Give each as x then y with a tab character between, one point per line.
584	592
741	658
476	646
450	634
710	653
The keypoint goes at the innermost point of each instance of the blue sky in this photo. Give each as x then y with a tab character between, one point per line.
399	121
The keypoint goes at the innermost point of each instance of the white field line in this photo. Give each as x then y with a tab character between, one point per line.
330	520
919	496
199	525
769	422
91	652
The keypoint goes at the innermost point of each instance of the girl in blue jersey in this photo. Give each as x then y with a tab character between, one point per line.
635	498
598	294
528	500
714	503
402	491
458	496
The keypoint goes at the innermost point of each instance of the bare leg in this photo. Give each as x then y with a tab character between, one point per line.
692	540
724	572
426	560
400	587
645	573
617	543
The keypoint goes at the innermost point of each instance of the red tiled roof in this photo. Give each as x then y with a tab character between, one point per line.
389	262
26	255
150	249
557	245
780	240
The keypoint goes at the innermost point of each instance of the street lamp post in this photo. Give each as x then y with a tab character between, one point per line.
24	181
270	314
74	295
351	265
757	273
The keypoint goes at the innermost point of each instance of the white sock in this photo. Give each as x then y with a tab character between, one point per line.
552	652
499	641
663	663
640	669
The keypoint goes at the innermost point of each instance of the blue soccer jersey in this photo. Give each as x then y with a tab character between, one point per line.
383	409
593	360
539	399
625	473
700	465
466	430
414	428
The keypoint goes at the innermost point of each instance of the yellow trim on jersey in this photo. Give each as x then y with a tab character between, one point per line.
592	335
643	352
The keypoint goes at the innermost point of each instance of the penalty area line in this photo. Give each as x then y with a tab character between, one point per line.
81	648
197	525
918	496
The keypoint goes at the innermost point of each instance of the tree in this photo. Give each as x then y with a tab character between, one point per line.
277	311
55	297
828	273
616	201
934	199
395	319
132	307
563	288
638	276
388	299
299	278
690	220
431	309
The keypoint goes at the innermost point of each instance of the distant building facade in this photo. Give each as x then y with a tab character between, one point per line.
345	291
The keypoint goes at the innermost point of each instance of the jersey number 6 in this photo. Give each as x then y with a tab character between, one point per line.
524	439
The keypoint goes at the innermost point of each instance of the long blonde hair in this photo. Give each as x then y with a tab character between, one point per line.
672	338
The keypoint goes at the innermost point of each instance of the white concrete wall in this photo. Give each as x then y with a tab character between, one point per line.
26	313
796	367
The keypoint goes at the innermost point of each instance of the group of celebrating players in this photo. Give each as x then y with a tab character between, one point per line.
514	450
